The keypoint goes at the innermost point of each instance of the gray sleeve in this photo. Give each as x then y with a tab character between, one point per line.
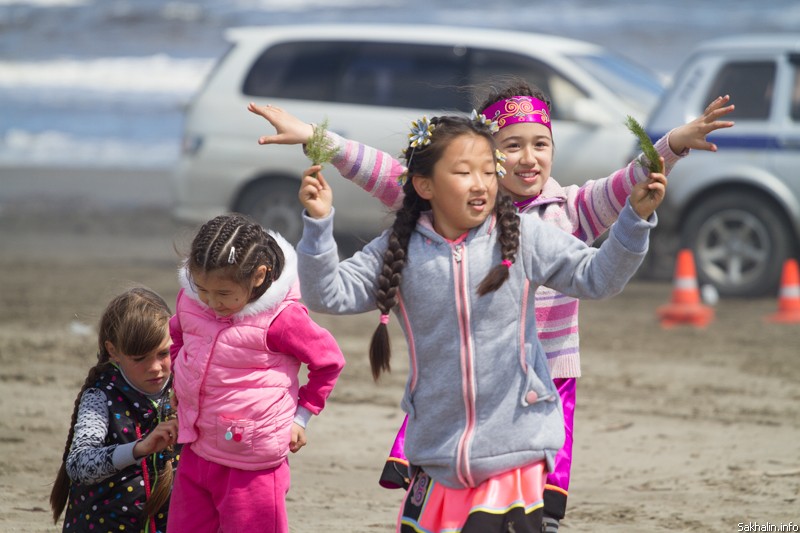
562	262
89	460
123	455
330	286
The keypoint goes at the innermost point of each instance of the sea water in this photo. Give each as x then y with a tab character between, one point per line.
106	82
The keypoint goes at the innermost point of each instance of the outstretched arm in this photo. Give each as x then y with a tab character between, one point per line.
373	170
593	207
288	128
692	135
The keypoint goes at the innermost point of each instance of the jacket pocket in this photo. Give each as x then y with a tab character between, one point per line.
235	435
538	384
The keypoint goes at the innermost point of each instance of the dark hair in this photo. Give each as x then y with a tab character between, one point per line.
136	322
420	160
512	86
237	245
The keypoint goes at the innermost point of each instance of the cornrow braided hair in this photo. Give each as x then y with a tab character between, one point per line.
136	322
238	245
446	128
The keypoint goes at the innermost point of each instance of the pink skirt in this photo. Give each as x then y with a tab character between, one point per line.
513	498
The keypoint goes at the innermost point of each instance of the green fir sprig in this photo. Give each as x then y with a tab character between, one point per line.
318	148
650	152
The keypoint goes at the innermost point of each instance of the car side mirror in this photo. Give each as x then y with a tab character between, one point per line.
589	112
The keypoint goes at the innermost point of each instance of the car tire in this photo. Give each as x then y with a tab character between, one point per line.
739	241
275	205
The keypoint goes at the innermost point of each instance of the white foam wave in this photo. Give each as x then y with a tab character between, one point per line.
305	5
52	148
150	74
44	3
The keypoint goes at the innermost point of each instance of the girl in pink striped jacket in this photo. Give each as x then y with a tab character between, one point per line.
586	212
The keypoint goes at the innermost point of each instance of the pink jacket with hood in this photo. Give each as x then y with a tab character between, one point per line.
237	393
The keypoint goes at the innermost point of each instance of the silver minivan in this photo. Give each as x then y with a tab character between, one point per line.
738	210
370	81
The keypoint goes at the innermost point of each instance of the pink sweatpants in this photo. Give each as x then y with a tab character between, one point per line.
211	498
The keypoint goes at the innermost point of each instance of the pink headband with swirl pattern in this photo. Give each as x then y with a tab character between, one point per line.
518	109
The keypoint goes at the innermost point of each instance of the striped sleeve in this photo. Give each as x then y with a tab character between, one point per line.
596	205
373	170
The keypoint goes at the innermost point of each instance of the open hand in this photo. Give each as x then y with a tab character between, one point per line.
646	196
315	193
289	129
693	134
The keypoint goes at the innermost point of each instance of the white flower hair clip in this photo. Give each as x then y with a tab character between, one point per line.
402	178
500	169
421	132
480	118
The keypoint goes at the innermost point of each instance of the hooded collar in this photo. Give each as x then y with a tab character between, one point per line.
425	227
552	192
276	293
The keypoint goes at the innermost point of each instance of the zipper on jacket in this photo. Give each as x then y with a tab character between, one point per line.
462	310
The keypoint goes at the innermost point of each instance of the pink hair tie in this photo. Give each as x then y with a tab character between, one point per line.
506	263
384	319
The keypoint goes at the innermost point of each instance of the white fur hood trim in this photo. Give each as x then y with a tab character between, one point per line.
275	294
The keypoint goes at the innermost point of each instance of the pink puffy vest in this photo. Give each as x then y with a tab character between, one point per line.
236	399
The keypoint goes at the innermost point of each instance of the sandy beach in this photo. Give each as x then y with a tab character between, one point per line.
676	429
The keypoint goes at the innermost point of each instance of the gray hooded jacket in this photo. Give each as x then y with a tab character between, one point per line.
479	397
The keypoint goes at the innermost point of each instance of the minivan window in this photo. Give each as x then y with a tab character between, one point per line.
298	70
492	64
627	79
380	74
404	75
751	85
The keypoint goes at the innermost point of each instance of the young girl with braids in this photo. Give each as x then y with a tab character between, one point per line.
239	336
584	211
459	267
118	461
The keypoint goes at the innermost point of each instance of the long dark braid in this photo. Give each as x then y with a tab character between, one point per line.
136	322
508	227
239	245
394	259
420	161
60	491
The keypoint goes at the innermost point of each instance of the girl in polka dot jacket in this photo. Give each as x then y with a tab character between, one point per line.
118	462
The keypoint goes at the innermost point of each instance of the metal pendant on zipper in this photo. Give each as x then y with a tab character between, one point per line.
457	253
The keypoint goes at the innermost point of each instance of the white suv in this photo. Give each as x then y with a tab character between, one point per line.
370	81
738	209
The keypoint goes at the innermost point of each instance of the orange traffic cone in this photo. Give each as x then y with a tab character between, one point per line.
686	307
789	295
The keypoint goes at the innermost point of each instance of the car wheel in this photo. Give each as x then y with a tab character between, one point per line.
739	242
274	204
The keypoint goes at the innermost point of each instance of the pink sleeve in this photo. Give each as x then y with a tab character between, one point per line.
373	170
294	333
596	205
176	333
